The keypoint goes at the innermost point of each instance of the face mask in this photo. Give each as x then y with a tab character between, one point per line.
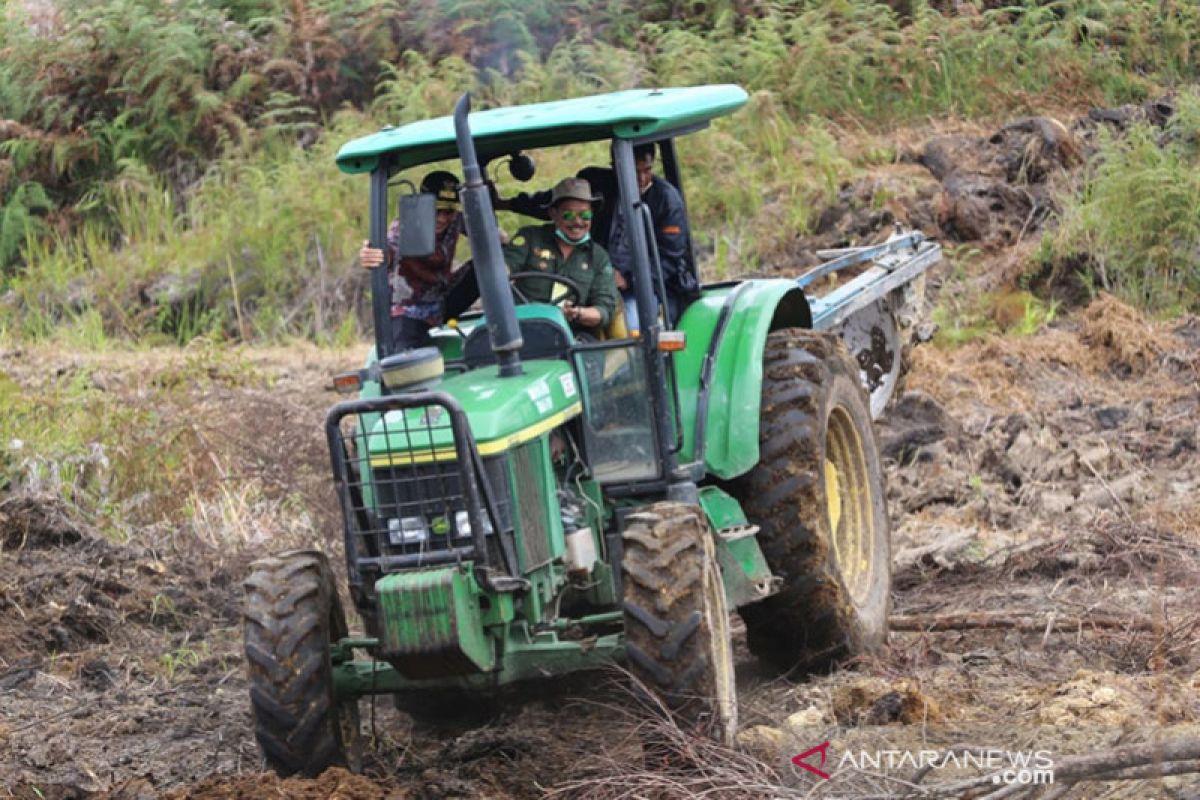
573	242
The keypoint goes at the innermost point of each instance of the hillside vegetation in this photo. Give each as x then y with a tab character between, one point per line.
167	168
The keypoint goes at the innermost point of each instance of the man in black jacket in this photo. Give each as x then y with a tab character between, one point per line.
671	237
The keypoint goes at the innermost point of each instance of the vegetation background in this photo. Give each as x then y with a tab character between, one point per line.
166	170
167	176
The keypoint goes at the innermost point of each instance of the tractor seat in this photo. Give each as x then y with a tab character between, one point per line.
543	328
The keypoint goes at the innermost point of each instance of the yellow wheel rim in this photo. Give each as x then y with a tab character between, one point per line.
849	505
833	495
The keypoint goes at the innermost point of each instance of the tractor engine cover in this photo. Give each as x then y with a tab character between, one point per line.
432	623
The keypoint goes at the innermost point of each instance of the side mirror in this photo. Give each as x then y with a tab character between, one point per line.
521	167
418	225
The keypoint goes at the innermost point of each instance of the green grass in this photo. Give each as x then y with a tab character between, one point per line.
956	328
1135	227
1038	313
1018	313
72	440
262	252
125	456
182	659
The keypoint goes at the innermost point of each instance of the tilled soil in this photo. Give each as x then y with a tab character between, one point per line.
115	658
1045	485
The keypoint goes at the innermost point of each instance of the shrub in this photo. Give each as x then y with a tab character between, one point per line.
194	139
1136	223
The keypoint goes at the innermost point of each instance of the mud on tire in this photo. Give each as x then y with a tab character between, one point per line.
676	620
819	498
291	615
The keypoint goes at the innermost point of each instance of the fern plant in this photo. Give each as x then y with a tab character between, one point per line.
20	218
194	138
1136	224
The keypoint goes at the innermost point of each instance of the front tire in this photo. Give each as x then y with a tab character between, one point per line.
676	620
819	499
292	615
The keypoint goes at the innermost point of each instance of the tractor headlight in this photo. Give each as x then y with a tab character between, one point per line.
462	525
407	530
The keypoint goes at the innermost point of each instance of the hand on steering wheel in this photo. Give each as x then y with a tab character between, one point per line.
572	295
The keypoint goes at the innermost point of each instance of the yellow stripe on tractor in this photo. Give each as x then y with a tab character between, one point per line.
437	454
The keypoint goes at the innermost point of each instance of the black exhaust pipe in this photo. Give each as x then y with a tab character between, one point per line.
490	271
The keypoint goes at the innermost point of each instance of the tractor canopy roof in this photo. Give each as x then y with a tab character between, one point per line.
629	114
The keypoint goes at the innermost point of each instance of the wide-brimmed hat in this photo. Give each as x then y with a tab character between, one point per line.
572	189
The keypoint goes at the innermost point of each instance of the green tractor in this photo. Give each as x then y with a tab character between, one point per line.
520	503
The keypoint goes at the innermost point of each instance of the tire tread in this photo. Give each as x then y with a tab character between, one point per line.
291	615
667	642
810	622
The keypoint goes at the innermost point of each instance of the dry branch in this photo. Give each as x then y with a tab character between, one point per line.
687	765
1029	623
1142	773
1095	766
1131	762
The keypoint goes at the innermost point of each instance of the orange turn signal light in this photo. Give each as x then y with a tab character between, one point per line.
672	341
347	382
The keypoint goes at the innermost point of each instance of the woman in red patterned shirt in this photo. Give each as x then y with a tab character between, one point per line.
419	284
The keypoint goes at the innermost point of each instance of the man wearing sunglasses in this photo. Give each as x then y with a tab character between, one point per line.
671	236
565	247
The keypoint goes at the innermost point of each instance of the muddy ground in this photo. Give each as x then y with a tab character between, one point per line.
1043	493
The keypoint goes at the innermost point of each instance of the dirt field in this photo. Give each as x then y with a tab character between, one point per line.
1046	535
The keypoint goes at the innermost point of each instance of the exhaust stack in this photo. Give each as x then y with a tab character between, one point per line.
490	271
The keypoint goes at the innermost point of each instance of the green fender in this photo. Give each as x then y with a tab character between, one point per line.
739	316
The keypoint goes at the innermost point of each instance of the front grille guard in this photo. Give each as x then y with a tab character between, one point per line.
385	505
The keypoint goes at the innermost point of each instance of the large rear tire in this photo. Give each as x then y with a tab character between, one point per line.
676	620
292	615
819	499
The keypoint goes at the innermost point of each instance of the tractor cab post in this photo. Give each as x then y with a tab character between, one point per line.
680	487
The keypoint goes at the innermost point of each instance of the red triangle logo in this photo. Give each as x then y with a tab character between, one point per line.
800	762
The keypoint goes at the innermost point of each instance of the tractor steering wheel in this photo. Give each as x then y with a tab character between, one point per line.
573	293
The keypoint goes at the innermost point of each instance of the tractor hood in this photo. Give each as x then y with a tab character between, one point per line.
502	414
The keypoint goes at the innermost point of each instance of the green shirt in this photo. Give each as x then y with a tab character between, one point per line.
535	249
